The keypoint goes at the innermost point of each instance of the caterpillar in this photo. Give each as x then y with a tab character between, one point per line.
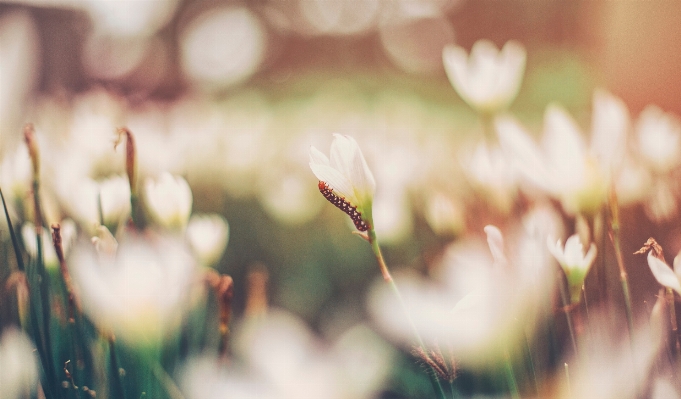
344	205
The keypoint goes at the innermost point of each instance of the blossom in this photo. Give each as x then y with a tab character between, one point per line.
563	167
169	200
664	274
485	298
574	261
489	79
207	235
345	179
659	139
19	365
141	291
281	358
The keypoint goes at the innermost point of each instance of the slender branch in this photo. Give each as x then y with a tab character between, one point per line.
388	278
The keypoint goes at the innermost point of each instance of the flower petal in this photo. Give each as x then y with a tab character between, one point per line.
318	157
495	240
663	274
346	156
524	153
340	184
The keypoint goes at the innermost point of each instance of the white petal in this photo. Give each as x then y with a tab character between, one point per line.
564	145
556	250
590	256
318	157
610	125
663	274
495	240
340	184
524	153
455	62
574	251
346	156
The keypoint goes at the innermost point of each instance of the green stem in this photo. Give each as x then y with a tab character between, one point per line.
568	315
624	280
567	378
510	376
43	283
388	278
118	390
168	384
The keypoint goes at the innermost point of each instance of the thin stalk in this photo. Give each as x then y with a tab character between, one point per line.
118	391
532	368
624	280
510	376
388	278
566	309
168	384
669	296
567	378
43	283
34	323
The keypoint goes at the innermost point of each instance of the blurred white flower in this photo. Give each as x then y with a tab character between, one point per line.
140	293
658	139
19	52
83	198
664	274
564	168
105	243
208	235
574	261
489	79
617	367
169	200
19	377
444	215
284	360
68	237
345	179
490	172
480	305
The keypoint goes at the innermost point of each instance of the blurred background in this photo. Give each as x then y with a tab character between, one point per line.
231	94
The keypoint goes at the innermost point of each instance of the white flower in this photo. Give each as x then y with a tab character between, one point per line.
345	179
659	138
480	305
564	168
19	365
141	292
208	235
68	235
281	358
169	200
489	79
574	261
664	274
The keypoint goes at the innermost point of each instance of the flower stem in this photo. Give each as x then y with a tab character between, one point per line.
388	278
510	376
624	280
568	314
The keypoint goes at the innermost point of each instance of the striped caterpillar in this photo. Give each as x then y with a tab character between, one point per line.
344	205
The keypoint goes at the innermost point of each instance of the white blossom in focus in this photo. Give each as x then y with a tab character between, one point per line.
574	261
208	235
140	293
489	79
347	174
169	200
